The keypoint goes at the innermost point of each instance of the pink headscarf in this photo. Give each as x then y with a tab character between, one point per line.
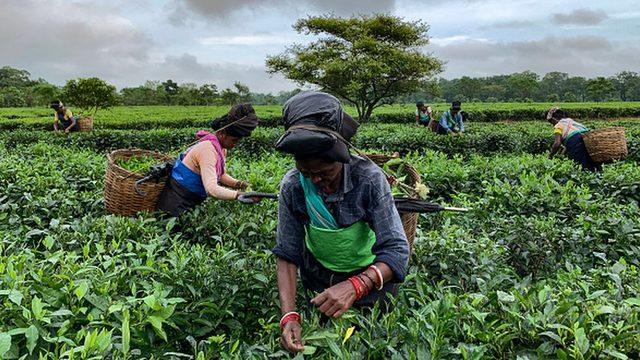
203	135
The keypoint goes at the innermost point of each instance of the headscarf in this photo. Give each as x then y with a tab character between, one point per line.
240	121
551	112
56	104
321	110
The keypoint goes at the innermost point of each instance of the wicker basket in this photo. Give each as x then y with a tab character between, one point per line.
605	145
120	196
409	220
85	124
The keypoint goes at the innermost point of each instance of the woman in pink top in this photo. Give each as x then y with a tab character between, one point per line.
200	171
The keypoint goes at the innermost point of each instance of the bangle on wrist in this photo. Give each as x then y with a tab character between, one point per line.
290	316
374	283
379	276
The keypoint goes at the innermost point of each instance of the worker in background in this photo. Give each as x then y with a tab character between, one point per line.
568	132
451	121
201	171
63	117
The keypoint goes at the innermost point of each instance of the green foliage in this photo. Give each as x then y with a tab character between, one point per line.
544	266
89	94
137	164
364	60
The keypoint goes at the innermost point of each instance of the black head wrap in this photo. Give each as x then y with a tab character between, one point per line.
320	110
56	104
243	120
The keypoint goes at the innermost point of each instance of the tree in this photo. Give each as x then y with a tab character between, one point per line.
599	89
171	89
552	84
12	96
14	77
208	93
244	94
363	60
523	85
44	93
627	83
577	86
90	94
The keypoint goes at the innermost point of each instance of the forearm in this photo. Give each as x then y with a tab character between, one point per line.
55	126
287	280
228	180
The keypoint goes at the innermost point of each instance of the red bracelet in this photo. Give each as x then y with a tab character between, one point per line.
356	286
360	287
290	316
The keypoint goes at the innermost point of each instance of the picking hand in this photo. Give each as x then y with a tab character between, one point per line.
335	300
242	185
292	337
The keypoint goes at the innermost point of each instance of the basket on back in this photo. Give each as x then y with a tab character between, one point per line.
120	196
409	220
605	145
85	124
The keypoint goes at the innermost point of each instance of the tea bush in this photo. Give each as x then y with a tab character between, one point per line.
544	266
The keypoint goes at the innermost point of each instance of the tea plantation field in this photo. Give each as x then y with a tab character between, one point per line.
546	265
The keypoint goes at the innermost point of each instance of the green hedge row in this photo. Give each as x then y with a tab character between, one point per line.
151	118
389	138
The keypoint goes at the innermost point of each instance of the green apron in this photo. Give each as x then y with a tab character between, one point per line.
338	249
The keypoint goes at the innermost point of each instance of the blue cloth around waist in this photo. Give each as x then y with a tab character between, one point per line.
186	177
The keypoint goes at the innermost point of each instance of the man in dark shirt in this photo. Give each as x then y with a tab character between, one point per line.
337	222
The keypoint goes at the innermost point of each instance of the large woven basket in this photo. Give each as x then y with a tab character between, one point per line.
409	220
85	124
120	196
605	145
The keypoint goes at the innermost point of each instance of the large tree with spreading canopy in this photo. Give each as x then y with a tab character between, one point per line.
365	60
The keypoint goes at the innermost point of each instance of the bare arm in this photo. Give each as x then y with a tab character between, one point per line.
287	279
73	123
556	145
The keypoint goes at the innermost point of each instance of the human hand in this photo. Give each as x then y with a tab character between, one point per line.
292	336
335	300
242	185
66	131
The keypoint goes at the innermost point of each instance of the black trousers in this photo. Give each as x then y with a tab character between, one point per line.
577	151
175	199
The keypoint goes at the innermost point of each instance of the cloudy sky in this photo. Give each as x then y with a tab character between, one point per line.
128	42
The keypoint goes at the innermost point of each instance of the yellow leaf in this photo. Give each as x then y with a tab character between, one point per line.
348	334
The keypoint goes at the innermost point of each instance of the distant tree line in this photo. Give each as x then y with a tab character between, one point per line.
528	86
18	89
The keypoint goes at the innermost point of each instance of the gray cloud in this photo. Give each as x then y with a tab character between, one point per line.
580	17
516	24
82	41
181	11
580	55
187	68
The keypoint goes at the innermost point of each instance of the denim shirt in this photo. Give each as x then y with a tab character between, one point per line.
449	122
364	194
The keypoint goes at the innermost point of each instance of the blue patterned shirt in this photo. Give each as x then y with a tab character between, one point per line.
364	194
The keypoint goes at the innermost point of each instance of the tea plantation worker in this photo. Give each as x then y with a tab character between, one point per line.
200	170
451	121
337	223
64	117
424	114
568	132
